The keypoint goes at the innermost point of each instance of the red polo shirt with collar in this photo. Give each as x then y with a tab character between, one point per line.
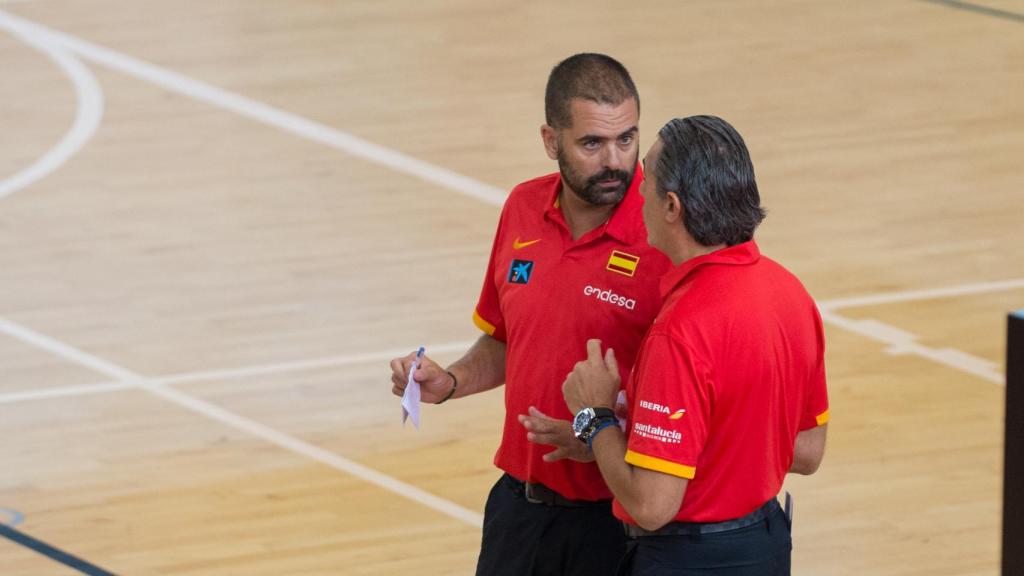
732	368
545	295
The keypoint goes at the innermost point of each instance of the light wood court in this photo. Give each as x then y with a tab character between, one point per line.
219	220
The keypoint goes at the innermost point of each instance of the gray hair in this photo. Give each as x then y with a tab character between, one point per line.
705	161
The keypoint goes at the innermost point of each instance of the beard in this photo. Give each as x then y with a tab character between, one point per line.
590	188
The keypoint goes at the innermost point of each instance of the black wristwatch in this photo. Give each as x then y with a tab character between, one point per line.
590	420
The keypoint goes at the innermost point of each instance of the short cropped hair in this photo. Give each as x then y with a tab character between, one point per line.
593	77
705	161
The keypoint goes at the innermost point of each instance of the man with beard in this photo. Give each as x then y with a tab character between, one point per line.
570	261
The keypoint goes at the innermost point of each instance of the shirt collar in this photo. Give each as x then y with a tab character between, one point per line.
740	254
626	222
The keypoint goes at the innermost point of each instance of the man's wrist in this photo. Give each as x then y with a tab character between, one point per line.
598	426
451	392
586	421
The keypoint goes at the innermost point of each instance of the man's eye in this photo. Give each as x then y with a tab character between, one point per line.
628	138
590	144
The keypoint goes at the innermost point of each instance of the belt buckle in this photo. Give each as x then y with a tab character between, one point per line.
528	490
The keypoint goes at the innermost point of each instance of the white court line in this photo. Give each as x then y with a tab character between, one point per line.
89	112
62	350
39	35
335	461
374	153
85	125
962	290
225	374
901	342
261	112
313	364
214	412
63	392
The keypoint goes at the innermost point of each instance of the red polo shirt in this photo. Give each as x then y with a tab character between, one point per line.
544	295
732	368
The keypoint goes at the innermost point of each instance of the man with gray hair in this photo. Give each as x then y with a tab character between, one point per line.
728	393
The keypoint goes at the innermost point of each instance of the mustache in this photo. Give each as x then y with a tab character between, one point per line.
609	175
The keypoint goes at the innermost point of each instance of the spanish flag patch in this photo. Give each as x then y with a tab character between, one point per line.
623	263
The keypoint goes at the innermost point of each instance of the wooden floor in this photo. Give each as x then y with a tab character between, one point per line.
219	220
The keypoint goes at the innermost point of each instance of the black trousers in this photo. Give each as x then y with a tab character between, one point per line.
524	539
762	549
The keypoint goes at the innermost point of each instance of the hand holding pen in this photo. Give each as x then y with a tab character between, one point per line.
435	383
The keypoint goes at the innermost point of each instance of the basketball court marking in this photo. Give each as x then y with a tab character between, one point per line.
286	121
367	358
910	296
979	9
297	125
300	126
899	341
214	412
63	392
55	554
89	112
227	374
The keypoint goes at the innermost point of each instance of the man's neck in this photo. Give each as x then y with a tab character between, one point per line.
686	248
581	216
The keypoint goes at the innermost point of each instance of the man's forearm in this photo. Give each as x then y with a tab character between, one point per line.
650	497
610	452
481	368
808	450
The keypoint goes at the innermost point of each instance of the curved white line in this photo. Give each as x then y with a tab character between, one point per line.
87	119
276	117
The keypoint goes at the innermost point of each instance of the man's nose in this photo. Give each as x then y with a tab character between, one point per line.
613	157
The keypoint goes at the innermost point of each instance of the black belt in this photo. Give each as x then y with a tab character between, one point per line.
695	528
537	493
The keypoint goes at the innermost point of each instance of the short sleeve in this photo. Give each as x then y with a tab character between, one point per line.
671	408
487	316
816	407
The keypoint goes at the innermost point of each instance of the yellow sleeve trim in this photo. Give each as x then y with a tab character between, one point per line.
482	324
659	465
822	418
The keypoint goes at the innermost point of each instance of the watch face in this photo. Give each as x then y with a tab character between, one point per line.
582	421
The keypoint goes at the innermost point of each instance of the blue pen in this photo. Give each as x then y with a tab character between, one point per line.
415	364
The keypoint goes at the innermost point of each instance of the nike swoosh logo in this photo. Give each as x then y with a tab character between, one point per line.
516	245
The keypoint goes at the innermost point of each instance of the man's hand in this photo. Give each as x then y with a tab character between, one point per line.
543	429
593	382
434	382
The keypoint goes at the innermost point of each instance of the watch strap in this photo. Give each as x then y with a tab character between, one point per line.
600	423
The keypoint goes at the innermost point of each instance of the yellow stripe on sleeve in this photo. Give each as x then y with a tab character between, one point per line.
659	465
822	418
482	324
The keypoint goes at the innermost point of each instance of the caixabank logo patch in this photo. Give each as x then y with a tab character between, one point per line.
520	271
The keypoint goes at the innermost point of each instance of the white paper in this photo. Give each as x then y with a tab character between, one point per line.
411	399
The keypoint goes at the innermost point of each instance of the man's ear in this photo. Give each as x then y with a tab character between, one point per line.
673	208
550	137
